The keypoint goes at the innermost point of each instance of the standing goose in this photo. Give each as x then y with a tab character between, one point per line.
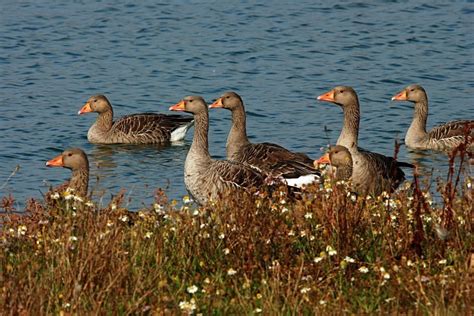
144	128
206	178
76	160
372	173
442	137
340	158
296	169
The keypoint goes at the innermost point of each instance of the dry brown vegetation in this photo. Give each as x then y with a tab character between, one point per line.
327	252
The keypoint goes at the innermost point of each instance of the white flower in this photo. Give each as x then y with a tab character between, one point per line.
113	207
226	251
89	204
284	210
349	259
331	251
291	233
305	290
221	236
257	311
443	261
148	235
363	269
196	212
282	202
68	196
322	302
55	196
188	306
124	218
386	276
73	238
231	272
192	289
78	199
308	215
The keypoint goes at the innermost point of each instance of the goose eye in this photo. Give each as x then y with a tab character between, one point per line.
227	97
95	100
190	100
69	154
342	91
411	90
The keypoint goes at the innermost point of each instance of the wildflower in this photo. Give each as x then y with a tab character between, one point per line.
22	230
258	296
318	259
68	196
89	204
284	210
331	251
353	197
188	306
73	238
291	233
78	198
444	261
349	259
148	235
305	290
55	196
308	215
124	218
257	311
283	202
410	263
186	199
113	207
363	269
388	300
110	223
226	251
322	302
207	281
231	272
221	236
302	233
158	208
312	238
192	289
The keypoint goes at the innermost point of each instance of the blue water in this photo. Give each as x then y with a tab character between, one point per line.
279	55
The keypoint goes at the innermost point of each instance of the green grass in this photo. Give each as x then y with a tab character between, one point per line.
328	252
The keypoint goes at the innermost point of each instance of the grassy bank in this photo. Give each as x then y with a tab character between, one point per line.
328	252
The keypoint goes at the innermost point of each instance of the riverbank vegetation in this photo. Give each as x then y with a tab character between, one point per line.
327	251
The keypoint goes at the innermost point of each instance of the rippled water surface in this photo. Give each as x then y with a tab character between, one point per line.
145	56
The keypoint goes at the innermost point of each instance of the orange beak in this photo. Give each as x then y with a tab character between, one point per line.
324	159
55	162
328	96
178	106
85	109
217	104
401	96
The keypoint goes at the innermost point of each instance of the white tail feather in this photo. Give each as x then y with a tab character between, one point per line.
179	133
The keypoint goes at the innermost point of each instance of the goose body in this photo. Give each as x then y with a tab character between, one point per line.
372	173
295	169
144	128
443	137
206	178
76	160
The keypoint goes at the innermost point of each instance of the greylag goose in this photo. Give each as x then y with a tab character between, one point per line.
144	128
296	169
341	159
206	178
76	160
442	137
372	173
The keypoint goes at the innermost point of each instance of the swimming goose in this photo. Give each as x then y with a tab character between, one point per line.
273	160
144	128
442	137
372	173
206	178
76	160
341	159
